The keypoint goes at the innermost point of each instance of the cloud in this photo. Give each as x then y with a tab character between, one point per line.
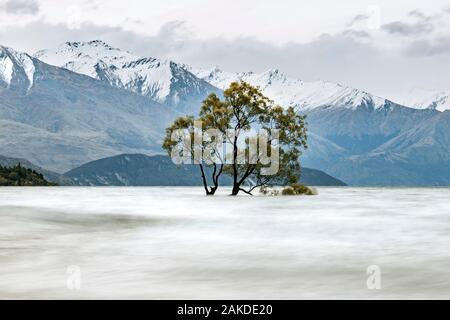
358	18
407	29
419	15
358	34
351	57
20	7
430	47
425	38
422	25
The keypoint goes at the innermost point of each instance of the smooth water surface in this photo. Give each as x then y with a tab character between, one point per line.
176	243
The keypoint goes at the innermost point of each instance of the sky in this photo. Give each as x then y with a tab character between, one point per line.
389	48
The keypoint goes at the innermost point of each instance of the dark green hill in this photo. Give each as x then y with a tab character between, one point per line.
51	176
21	176
142	170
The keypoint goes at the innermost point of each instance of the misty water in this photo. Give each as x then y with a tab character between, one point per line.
175	243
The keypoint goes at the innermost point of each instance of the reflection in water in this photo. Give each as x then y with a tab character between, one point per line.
174	243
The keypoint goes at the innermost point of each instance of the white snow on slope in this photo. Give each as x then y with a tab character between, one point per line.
27	65
81	57
146	76
294	92
6	68
426	99
10	58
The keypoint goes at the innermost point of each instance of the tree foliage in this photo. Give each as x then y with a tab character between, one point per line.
237	116
21	176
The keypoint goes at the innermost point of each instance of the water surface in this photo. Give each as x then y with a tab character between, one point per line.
175	243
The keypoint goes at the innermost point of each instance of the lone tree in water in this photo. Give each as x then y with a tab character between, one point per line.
224	138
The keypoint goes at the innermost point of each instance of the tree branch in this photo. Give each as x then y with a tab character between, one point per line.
247	173
245	191
218	174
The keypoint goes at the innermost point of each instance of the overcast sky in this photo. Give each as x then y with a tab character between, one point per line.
385	47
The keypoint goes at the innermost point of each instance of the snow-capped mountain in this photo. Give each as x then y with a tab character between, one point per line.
426	99
303	95
15	68
105	105
59	119
161	80
354	135
178	84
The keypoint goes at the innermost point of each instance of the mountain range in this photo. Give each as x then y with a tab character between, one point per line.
163	81
358	137
83	101
59	119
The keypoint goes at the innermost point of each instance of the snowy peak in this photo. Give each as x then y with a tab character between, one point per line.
215	76
95	49
82	57
161	80
425	99
295	92
441	101
16	67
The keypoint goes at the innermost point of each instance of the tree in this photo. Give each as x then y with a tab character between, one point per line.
244	134
184	141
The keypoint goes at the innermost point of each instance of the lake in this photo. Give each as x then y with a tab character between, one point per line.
176	243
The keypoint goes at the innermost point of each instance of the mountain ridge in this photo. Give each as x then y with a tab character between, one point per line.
161	80
159	170
288	91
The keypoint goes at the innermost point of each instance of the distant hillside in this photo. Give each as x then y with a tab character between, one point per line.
142	170
48	175
21	176
59	119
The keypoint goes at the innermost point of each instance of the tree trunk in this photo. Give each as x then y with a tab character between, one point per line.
235	190
210	191
205	184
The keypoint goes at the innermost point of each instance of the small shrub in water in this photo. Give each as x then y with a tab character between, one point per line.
299	189
294	189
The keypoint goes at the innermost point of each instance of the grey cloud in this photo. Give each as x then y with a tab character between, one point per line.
420	15
358	18
408	29
429	44
430	47
361	34
174	28
423	24
20	7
